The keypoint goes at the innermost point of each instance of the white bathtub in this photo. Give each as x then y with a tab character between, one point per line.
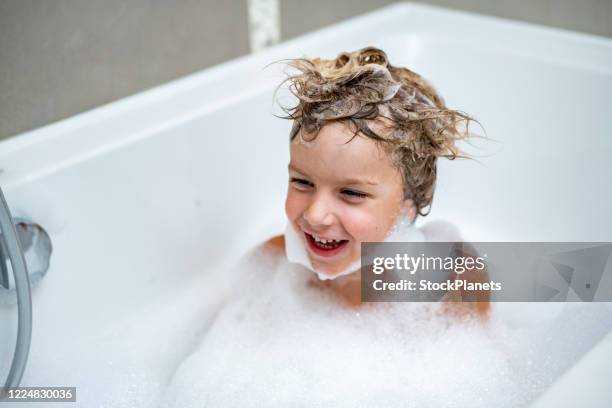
145	196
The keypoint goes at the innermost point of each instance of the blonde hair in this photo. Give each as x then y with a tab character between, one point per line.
392	105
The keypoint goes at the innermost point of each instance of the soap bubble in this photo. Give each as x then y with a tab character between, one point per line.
280	341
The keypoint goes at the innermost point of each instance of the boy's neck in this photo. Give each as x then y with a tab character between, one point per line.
347	287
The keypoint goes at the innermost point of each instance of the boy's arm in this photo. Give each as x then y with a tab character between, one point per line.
462	301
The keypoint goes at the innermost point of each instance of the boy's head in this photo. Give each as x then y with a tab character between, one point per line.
364	145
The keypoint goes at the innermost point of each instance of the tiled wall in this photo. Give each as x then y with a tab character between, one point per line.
62	57
592	16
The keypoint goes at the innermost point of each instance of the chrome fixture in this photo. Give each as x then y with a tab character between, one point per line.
36	246
10	250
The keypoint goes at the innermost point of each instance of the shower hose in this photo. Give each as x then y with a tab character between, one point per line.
24	298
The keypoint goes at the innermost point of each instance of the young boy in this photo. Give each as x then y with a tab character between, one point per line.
364	146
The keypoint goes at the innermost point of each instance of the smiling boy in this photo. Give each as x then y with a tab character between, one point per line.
364	146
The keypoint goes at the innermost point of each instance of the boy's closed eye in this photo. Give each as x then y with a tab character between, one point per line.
301	182
354	194
349	193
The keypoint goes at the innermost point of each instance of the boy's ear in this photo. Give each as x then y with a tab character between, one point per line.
409	209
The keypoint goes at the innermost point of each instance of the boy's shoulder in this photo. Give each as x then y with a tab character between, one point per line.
266	256
274	244
272	248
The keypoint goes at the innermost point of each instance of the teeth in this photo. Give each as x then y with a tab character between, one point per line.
326	241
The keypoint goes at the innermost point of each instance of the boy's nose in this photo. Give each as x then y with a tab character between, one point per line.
319	213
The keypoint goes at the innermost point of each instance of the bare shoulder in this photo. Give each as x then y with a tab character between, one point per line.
268	253
274	244
474	302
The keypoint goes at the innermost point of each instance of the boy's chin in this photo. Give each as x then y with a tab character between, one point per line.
331	269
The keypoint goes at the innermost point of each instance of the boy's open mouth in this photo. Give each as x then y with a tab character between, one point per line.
324	247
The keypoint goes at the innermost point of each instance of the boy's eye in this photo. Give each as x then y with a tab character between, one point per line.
354	194
301	182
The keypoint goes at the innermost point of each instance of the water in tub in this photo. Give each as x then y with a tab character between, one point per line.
274	339
281	341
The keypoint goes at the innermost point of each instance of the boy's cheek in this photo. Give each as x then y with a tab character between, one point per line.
293	206
364	227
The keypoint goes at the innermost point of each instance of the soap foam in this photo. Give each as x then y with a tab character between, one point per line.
276	340
281	341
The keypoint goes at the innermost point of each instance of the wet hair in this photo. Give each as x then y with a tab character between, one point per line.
394	106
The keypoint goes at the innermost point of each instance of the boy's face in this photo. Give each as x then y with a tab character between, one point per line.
345	192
